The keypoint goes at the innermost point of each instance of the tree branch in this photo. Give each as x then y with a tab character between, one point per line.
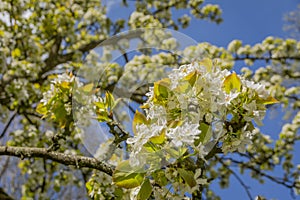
246	188
75	160
8	124
267	58
4	195
281	181
166	7
55	59
215	150
5	166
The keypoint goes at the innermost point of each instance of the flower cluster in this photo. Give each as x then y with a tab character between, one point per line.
56	100
196	108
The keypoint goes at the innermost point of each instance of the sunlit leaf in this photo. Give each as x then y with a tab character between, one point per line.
232	82
160	138
267	101
109	100
161	90
16	53
151	147
176	153
175	123
100	105
145	106
138	118
192	77
103	116
87	88
41	109
126	176
183	87
206	62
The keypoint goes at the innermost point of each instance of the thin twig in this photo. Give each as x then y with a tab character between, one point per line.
5	166
8	124
280	181
246	187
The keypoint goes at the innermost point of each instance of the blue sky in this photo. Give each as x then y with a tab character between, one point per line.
251	22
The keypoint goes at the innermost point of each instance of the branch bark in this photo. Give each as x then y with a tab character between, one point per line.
66	159
55	58
4	195
267	58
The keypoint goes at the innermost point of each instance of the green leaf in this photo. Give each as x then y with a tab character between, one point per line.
187	82
267	101
188	177
103	116
183	87
205	134
89	186
176	153
232	82
192	77
16	53
151	147
174	114
109	100
161	90
160	138
100	105
87	88
145	191
128	177
206	62
65	85
138	118
160	178
41	109
175	123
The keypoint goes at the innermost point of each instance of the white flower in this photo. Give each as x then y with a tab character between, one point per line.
184	134
204	99
229	97
49	134
258	87
145	132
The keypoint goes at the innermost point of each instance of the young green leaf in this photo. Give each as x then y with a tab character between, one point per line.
207	62
145	191
100	105
160	138
232	82
126	176
109	100
192	77
41	109
87	88
161	90
188	177
267	101
205	134
160	178
138	118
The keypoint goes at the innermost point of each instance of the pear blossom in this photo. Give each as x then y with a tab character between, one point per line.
193	97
